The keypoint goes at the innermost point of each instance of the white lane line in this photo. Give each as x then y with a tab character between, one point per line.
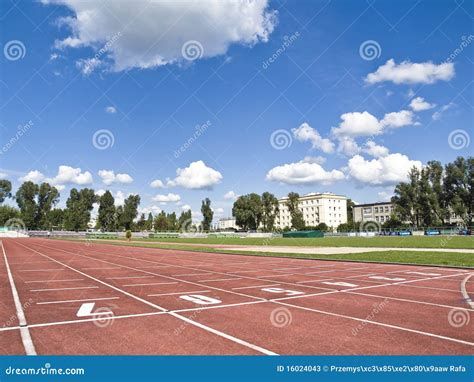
255	286
128	277
158	266
97	280
209	281
224	335
167	283
270	276
56	289
52	281
183	293
24	331
377	323
41	270
81	300
408	300
193	274
464	293
98	268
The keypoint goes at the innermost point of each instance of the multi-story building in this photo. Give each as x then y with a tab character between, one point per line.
227	224
378	212
317	208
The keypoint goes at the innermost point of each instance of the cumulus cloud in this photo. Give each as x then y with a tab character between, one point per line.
348	146
186	207
230	195
318	159
387	170
419	104
439	113
196	176
303	173
306	133
71	175
111	109
166	198
119	198
147	34
108	177
155	210
33	176
398	119
157	184
411	73
375	150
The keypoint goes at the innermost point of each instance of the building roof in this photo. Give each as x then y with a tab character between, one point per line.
373	204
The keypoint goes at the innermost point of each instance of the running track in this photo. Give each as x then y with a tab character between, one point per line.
60	297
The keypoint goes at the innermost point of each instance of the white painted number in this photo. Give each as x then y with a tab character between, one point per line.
200	299
287	292
340	284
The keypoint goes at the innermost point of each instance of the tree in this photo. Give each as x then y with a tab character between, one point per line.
5	190
56	218
185	220
172	221
269	211
48	197
141	223
459	187
406	196
207	214
78	209
106	216
130	211
322	227
26	200
247	211
297	221
161	222
149	222
7	213
350	212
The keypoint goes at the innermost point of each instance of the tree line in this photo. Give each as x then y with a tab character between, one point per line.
37	210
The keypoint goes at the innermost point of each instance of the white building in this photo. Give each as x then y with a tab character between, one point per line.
378	212
317	208
227	224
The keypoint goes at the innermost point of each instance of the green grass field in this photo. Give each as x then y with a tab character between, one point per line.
466	242
406	257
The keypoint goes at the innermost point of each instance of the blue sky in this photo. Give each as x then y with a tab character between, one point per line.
356	93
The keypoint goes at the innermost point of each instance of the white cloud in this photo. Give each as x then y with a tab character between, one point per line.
33	176
218	211
196	176
100	192
110	109
87	66
166	198
398	119
60	187
387	170
318	159
155	210
108	177
303	173
230	195
438	114
375	150
306	133
419	104
157	184
147	34
348	146
68	175
3	175
384	196
411	73
186	207
357	124
119	198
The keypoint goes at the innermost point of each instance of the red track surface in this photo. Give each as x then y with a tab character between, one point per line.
258	305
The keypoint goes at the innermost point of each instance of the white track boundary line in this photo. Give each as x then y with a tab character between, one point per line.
24	331
134	285
57	289
52	281
80	300
175	293
464	291
378	323
207	328
255	286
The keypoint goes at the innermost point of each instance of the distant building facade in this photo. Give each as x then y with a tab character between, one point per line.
317	208
378	212
227	224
